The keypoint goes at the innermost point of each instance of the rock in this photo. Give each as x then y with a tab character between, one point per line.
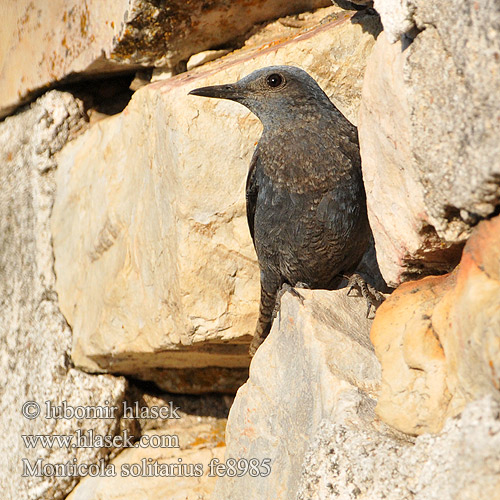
148	472
461	463
459	165
34	337
204	57
59	39
156	268
317	363
414	396
395	197
429	181
353	4
397	17
438	339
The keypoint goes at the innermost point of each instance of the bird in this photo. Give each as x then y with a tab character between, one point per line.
305	197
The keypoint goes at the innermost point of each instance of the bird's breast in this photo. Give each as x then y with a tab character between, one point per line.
310	161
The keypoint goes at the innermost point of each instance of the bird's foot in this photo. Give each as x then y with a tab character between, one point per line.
372	296
287	288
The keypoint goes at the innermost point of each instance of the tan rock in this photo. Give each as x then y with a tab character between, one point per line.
407	243
385	145
414	394
438	339
155	265
317	363
35	340
147	473
204	57
429	147
42	44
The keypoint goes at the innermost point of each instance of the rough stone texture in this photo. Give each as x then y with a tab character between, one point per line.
155	265
461	463
201	438
385	146
429	145
46	42
146	485
396	17
203	57
317	363
438	339
34	336
459	165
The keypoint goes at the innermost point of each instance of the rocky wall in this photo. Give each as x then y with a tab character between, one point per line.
127	268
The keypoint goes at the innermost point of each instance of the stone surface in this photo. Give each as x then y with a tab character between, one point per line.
34	337
396	17
135	481
44	43
204	57
459	165
389	170
460	463
429	180
438	339
155	265
317	363
146	472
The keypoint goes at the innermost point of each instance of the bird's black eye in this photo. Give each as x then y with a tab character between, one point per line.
274	80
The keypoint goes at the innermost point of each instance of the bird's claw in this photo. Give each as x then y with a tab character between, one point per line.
372	296
286	287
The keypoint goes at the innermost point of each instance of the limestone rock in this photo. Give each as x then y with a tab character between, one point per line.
395	197
152	472
429	145
397	17
438	339
44	44
461	463
155	265
317	363
204	57
35	339
459	165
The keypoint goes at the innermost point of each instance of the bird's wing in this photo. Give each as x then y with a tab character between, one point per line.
252	190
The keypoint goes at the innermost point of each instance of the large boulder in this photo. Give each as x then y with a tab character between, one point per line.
156	271
427	130
438	339
317	363
350	462
35	338
308	409
70	39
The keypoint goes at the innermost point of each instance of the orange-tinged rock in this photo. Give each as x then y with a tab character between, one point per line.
438	339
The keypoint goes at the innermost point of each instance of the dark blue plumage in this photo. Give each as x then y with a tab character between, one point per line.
306	202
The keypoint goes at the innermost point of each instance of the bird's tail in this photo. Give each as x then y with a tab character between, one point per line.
266	313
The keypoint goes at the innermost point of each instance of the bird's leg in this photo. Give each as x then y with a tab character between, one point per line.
270	303
372	296
266	311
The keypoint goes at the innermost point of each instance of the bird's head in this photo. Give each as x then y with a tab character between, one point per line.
275	94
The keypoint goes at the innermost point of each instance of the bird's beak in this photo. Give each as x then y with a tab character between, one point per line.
228	91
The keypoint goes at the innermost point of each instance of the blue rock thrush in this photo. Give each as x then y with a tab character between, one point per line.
306	203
